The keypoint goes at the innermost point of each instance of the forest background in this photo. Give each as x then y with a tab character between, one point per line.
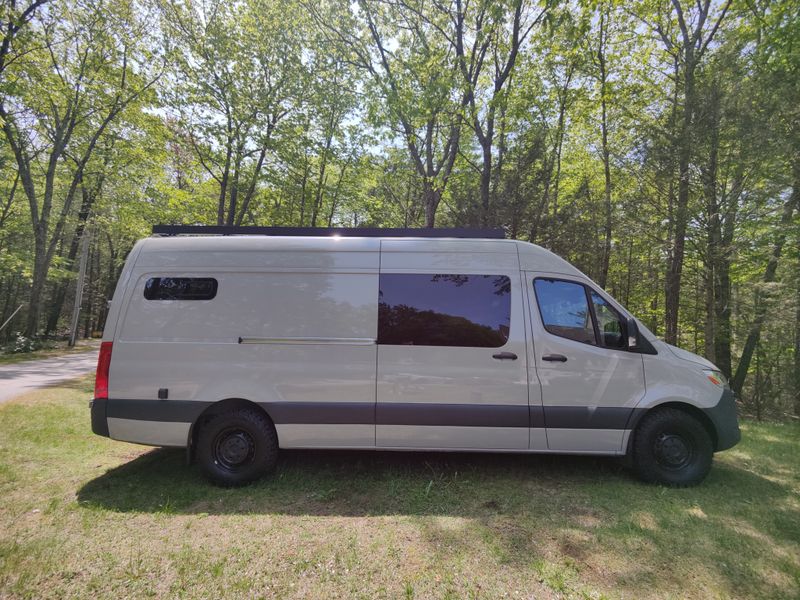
655	144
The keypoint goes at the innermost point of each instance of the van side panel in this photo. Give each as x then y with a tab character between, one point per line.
120	292
255	305
296	341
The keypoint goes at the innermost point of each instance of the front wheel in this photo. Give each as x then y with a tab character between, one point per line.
237	447
673	448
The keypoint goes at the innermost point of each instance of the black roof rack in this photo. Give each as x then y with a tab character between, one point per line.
435	232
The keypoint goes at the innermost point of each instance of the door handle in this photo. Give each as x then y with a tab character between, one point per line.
554	358
505	356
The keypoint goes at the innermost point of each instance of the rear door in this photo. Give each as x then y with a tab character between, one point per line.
452	364
590	382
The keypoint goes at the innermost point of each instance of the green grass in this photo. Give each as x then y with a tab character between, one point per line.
85	516
56	348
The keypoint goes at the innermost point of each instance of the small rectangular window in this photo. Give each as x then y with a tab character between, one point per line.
180	288
444	310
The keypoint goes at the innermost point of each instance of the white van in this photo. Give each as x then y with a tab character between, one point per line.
235	346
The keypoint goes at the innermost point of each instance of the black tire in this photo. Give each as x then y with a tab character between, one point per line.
237	447
673	448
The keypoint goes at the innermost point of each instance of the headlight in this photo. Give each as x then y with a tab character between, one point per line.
716	377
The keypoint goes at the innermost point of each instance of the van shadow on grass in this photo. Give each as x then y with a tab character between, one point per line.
369	483
573	510
348	483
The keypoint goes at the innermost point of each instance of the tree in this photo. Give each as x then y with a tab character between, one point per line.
602	76
68	93
493	31
776	31
238	69
13	20
407	53
686	32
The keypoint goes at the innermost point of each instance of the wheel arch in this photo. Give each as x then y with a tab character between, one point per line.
219	407
685	407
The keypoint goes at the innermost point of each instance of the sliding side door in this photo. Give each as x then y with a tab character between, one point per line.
452	359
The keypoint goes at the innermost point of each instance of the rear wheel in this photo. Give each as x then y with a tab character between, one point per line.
237	447
673	448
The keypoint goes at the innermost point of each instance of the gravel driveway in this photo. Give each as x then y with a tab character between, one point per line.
19	378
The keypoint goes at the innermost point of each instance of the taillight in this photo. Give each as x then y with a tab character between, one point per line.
101	377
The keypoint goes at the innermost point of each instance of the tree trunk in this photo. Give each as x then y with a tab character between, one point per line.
40	269
629	272
251	189
554	162
672	287
234	195
335	199
562	115
59	295
303	184
797	342
431	197
332	123
757	391
87	297
223	185
11	287
769	276
486	181
552	179
714	251
722	282
601	59
501	153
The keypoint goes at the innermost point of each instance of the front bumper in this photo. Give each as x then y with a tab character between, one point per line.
99	421
726	424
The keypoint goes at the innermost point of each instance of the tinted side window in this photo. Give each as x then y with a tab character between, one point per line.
180	288
444	310
609	323
565	310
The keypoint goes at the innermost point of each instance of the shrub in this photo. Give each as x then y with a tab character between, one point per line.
20	343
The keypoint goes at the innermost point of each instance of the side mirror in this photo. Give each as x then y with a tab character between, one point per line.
632	331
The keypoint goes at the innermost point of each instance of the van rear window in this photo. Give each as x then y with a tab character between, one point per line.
444	310
180	288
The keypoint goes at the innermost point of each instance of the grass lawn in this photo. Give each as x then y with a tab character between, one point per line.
84	516
56	348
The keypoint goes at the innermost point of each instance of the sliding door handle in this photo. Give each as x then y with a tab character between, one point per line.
554	358
505	356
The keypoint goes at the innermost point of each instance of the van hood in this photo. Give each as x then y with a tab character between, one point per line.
690	357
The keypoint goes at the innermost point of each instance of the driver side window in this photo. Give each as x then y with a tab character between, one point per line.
573	311
565	310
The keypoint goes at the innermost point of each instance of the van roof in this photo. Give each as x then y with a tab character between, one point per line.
531	256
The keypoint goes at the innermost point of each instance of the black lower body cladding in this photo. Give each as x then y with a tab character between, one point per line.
726	423
368	413
99	420
722	415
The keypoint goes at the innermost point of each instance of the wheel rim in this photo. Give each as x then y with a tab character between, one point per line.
672	451
234	448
